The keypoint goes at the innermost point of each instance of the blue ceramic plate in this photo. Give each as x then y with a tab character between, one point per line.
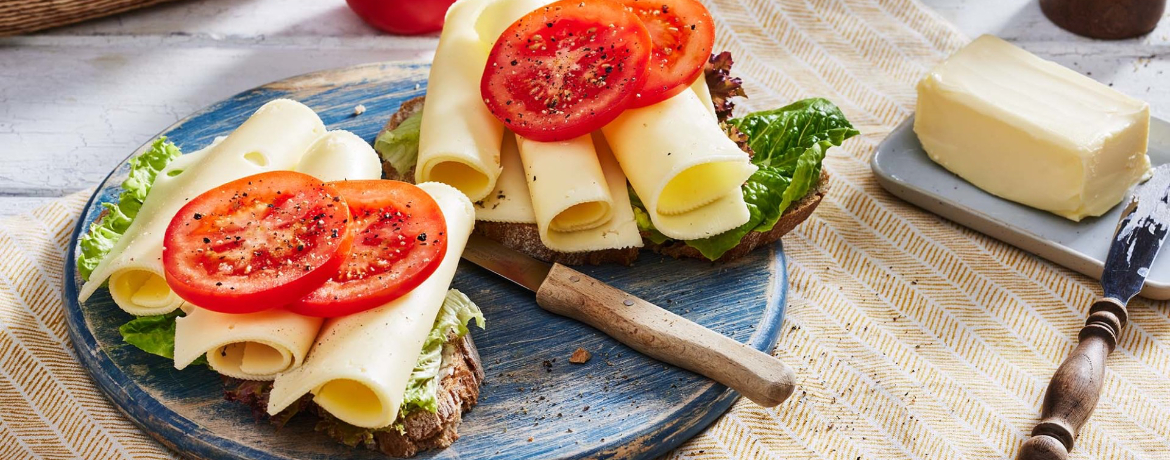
618	405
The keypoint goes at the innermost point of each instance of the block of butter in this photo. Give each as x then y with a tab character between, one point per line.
1032	131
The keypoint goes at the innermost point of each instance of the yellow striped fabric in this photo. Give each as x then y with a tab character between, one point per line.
913	338
49	407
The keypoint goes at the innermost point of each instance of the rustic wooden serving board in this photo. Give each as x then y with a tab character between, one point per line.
534	404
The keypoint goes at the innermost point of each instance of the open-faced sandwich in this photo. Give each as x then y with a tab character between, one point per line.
278	257
543	121
577	131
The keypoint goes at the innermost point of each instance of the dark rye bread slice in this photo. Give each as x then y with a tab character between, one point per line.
526	238
458	392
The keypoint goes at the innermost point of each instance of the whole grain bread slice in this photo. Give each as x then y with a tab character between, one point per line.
526	238
458	393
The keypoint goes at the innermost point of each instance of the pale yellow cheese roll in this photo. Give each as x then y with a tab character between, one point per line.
687	172
359	366
273	138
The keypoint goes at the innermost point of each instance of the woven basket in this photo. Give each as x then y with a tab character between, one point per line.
22	16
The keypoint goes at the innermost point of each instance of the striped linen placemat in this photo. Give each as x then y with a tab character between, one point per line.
913	338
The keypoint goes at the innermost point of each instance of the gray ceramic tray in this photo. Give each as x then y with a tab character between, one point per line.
902	167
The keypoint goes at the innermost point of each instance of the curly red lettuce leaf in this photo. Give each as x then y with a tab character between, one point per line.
722	85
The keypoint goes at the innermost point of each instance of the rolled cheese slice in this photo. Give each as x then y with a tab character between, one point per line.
566	184
499	14
257	346
564	175
621	230
509	201
459	141
341	155
273	138
684	168
253	346
704	92
359	366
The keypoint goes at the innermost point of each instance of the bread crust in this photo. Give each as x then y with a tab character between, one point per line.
458	393
526	238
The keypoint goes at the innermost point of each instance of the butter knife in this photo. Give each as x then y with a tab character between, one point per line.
1075	388
639	324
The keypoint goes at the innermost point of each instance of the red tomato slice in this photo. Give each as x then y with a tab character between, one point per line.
566	69
255	243
683	35
400	238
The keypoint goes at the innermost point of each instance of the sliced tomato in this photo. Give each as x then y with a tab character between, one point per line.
566	69
400	239
259	242
683	35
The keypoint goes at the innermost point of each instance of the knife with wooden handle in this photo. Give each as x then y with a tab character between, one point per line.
1075	388
639	324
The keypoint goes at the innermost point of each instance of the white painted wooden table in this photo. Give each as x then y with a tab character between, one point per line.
75	101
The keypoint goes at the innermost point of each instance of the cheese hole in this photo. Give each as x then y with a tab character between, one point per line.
226	359
581	216
140	289
700	185
352	402
256	158
249	360
461	176
174	172
262	359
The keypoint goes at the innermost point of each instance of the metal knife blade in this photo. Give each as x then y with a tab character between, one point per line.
1143	227
506	262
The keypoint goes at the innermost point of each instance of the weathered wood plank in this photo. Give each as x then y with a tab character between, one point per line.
68	116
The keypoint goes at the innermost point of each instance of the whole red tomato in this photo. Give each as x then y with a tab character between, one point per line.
402	17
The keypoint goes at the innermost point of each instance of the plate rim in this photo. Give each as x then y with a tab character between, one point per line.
153	417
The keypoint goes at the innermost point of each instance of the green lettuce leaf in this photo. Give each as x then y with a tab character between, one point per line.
422	388
399	146
645	226
789	145
154	334
104	234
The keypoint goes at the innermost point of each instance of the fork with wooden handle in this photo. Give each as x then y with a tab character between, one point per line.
1075	388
